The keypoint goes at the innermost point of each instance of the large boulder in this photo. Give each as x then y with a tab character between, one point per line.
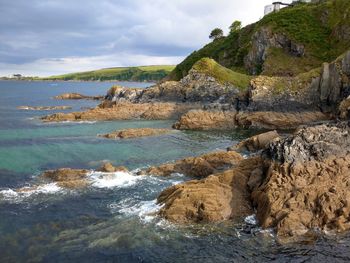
216	198
257	142
110	168
67	177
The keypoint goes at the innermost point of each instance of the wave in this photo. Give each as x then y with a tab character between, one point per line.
20	194
111	180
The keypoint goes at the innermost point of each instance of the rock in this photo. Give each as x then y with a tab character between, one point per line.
200	166
306	183
109	168
126	111
44	107
121	94
76	96
216	198
279	120
136	133
207	120
68	178
257	142
344	109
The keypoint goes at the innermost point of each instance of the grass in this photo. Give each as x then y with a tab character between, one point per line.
222	74
142	73
318	27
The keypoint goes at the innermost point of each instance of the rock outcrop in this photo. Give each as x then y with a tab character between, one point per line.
126	111
207	120
136	133
306	184
344	109
257	142
44	107
68	178
216	198
109	168
200	166
76	96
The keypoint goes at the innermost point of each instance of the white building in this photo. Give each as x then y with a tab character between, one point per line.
276	6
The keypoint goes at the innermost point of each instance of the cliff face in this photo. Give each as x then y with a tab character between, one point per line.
294	40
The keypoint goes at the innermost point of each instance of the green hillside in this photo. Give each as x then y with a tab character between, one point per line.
142	73
323	29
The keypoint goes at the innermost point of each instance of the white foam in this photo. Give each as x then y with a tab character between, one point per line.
25	192
145	210
251	220
111	180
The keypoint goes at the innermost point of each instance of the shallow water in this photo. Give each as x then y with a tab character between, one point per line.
113	219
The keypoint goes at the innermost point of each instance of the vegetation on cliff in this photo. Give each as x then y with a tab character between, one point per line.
323	30
142	73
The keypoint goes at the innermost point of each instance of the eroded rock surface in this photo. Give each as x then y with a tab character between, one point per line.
216	198
307	182
76	96
200	166
136	133
68	178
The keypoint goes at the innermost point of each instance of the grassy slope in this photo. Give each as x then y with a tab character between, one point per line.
222	74
142	73
316	26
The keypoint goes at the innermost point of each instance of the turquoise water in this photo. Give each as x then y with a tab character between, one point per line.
113	220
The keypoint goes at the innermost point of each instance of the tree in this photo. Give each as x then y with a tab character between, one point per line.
216	34
235	26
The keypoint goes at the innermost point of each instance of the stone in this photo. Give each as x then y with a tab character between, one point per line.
257	142
136	133
207	120
216	198
200	166
76	96
109	168
67	177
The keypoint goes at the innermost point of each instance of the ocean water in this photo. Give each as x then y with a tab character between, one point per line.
113	220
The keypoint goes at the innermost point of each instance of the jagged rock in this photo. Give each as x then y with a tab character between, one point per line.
44	107
200	166
135	133
126	111
306	184
262	41
119	93
257	142
76	96
207	120
109	168
344	109
216	198
69	178
279	120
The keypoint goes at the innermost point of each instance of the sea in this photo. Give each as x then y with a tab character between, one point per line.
115	218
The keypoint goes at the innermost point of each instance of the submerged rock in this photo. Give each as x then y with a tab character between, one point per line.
200	166
44	107
136	133
257	142
216	198
76	96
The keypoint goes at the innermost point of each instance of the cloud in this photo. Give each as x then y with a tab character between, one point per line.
92	34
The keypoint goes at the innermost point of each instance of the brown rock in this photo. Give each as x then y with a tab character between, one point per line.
207	120
126	111
69	178
200	166
306	185
76	96
279	120
344	109
215	198
109	168
256	142
135	133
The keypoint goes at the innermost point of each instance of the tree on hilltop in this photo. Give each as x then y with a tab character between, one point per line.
216	34
235	26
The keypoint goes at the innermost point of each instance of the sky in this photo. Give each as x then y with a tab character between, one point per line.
50	37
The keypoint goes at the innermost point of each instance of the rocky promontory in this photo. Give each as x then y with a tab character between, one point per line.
135	133
76	96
